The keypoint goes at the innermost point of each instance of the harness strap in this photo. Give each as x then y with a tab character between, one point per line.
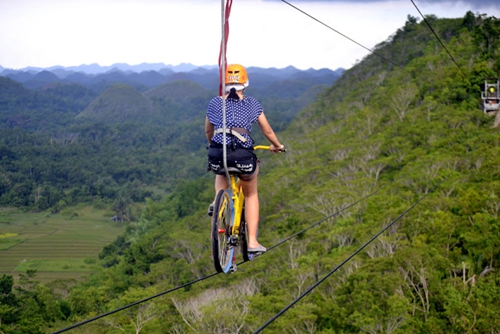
237	132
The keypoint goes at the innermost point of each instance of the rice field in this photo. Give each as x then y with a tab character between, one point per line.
62	245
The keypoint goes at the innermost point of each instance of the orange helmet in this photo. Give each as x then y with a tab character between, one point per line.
236	75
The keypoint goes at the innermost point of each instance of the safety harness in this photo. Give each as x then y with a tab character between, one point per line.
237	132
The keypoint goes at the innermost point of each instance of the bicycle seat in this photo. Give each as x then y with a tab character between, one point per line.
231	170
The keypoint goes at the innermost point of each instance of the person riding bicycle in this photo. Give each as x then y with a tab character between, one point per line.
241	112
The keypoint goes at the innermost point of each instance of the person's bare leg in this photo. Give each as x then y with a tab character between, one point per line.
251	210
220	183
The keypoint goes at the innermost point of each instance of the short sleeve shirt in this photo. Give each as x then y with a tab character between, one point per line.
239	114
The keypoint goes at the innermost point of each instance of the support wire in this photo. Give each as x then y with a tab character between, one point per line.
225	12
260	329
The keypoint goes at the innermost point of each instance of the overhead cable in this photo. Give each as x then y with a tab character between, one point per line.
440	41
341	34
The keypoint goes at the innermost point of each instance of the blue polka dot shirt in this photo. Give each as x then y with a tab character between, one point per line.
239	113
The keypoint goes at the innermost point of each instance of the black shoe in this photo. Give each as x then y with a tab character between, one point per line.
210	211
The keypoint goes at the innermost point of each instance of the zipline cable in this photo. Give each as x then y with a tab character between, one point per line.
341	34
260	329
440	41
348	258
225	13
334	214
133	304
222	64
214	274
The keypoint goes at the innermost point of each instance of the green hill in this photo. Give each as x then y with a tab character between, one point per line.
182	91
124	139
119	104
10	88
52	108
401	145
180	100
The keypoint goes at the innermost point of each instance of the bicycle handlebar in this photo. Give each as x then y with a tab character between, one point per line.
265	147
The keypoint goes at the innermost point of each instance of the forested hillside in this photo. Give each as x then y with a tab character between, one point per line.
401	145
119	137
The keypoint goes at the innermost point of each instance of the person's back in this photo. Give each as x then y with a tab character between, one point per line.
240	115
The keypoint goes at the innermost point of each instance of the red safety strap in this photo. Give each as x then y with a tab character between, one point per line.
229	3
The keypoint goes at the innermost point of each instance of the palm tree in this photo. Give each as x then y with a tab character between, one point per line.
120	207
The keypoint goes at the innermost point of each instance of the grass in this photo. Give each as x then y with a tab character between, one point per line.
58	246
55	266
8	243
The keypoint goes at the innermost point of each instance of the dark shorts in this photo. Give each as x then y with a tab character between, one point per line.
242	158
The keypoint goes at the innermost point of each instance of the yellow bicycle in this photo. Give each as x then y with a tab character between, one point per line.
228	224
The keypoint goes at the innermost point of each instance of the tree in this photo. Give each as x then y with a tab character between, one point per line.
138	317
121	208
8	301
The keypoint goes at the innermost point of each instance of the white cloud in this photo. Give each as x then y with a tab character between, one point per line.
45	33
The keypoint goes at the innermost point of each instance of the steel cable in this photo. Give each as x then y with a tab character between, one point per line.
347	259
341	34
215	274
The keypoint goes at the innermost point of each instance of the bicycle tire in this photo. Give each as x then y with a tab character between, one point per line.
244	237
222	250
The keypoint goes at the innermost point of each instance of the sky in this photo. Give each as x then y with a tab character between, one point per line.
263	33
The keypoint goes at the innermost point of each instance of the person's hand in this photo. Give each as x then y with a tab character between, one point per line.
277	149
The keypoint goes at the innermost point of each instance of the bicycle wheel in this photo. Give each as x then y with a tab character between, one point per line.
222	250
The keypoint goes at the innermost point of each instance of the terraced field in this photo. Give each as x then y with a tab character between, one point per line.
58	246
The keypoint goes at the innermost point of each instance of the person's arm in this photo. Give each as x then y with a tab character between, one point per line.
268	132
209	130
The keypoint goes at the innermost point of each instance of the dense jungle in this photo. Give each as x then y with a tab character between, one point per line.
387	199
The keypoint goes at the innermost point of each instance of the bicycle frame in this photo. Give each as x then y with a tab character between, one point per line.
228	223
238	203
238	197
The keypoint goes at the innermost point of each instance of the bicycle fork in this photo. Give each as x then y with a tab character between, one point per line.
233	243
